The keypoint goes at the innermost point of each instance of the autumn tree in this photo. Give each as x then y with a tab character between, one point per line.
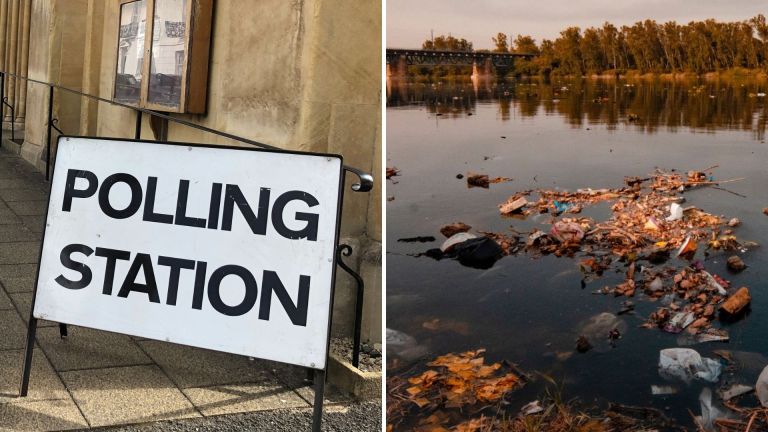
447	43
525	45
568	51
500	42
645	46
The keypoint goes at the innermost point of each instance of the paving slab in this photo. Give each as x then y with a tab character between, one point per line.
5	301
30	194
295	378
18	233
9	218
20	252
358	417
121	395
86	348
14	332
34	223
50	415
15	284
195	367
29	208
4	209
23	303
44	383
267	394
18	183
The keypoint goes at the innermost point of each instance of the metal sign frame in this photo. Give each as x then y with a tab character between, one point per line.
319	375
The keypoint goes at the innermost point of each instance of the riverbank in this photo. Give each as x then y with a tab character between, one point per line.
735	74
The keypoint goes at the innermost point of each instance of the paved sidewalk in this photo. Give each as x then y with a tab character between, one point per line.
97	379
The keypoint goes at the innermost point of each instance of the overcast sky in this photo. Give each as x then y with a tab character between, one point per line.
409	21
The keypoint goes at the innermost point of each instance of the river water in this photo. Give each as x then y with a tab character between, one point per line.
568	135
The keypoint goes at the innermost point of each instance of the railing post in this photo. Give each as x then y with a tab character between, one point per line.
137	133
50	124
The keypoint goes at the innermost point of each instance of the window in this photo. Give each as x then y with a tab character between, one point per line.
130	52
174	76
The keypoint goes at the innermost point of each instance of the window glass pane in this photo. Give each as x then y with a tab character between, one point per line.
130	51
168	53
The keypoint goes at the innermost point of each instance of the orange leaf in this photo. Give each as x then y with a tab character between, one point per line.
413	391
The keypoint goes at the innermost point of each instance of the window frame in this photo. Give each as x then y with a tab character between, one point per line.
194	71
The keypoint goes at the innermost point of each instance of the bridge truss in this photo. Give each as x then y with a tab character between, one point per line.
454	58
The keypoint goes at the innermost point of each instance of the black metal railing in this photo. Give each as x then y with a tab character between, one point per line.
364	183
13	117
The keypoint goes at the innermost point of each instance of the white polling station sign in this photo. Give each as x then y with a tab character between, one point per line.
221	248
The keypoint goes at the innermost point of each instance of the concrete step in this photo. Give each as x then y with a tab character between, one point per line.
14	146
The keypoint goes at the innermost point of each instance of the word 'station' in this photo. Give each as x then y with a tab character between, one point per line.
171	249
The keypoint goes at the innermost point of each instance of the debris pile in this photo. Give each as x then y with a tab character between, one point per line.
648	225
460	392
454	383
659	245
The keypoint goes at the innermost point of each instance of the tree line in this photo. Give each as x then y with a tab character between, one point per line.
646	46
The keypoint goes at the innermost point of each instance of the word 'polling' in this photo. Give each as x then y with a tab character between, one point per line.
223	200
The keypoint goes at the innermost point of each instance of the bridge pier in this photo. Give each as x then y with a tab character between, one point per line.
397	68
484	72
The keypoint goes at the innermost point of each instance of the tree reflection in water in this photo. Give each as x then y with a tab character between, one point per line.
646	105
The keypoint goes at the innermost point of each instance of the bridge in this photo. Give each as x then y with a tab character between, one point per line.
399	59
415	57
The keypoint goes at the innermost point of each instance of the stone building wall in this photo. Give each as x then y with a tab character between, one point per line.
297	74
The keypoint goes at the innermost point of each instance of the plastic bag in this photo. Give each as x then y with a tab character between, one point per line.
675	212
686	364
761	388
567	232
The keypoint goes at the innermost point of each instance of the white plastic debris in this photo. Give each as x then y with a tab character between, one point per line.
456	239
686	364
656	285
714	284
679	322
735	390
658	390
709	335
761	388
710	411
404	345
675	212
531	408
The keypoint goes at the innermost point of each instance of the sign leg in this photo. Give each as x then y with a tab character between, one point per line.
27	368
317	413
309	379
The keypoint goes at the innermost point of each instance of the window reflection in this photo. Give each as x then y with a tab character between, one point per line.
168	53
130	56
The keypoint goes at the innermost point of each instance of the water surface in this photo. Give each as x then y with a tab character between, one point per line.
565	135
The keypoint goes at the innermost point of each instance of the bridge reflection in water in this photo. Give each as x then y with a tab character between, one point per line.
644	104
